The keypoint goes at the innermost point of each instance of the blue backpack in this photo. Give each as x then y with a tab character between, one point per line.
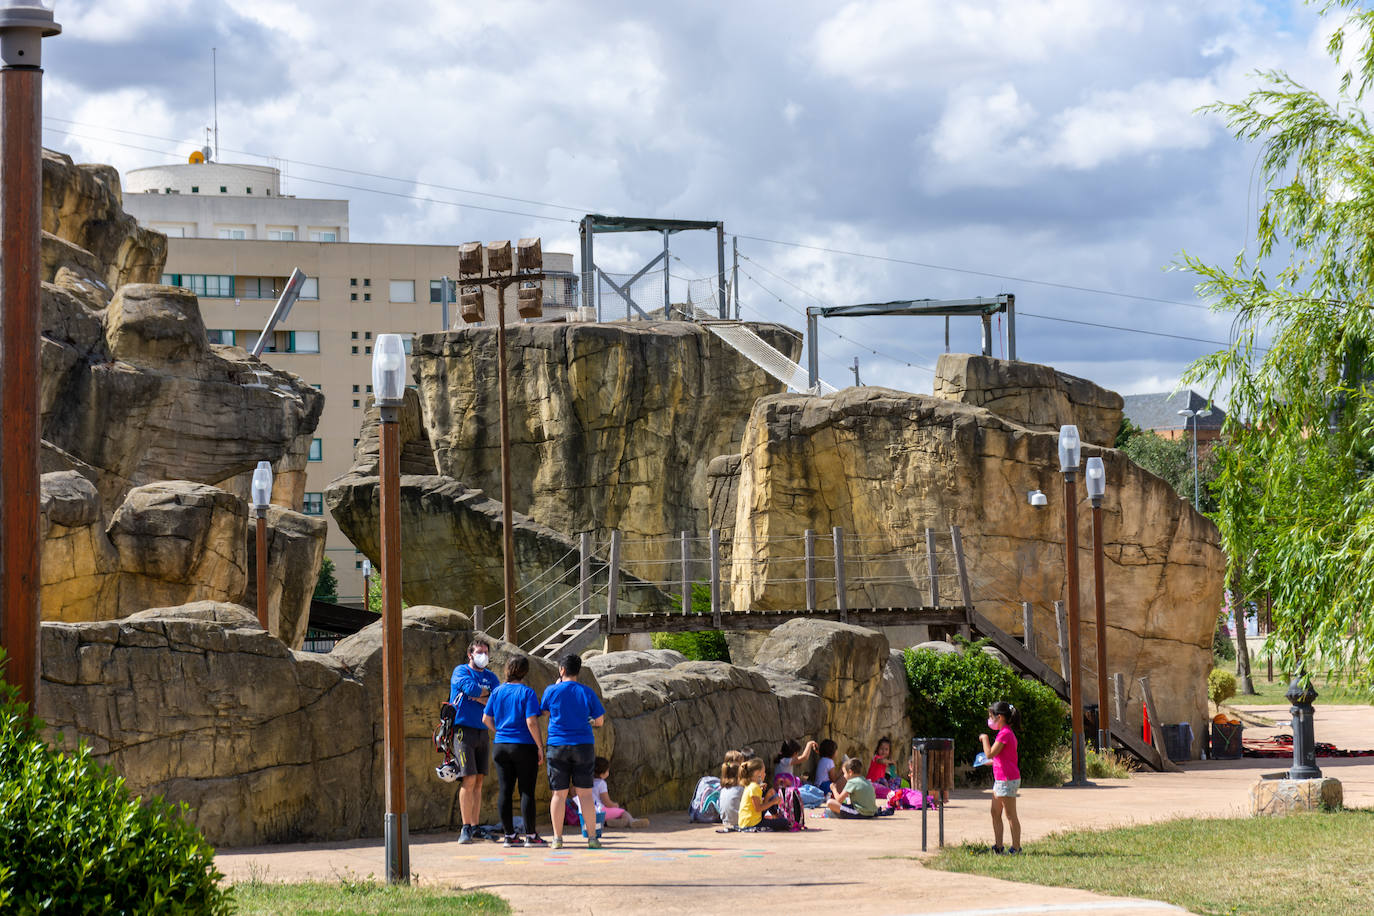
705	807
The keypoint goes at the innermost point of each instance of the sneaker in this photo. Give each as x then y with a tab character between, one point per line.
534	839
593	843
511	841
639	823
556	843
466	835
999	851
1014	851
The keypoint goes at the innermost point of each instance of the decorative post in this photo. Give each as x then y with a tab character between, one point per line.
1095	477
1069	454
841	598
584	573
715	578
810	541
262	497
686	576
1301	694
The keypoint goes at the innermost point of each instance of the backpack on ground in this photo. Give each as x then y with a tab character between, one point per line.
812	796
705	807
791	806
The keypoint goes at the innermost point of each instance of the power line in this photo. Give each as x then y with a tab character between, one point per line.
979	273
1116	327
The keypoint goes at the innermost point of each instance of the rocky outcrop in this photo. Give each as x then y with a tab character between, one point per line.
80	566
199	704
889	464
1034	396
612	424
85	226
295	542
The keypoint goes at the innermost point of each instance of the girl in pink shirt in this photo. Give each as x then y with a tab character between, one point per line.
1006	772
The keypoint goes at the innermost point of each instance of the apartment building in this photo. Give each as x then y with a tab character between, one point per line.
235	238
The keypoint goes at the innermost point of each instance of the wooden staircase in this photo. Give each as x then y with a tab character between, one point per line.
574	636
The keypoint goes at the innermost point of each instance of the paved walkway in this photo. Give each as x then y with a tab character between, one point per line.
840	865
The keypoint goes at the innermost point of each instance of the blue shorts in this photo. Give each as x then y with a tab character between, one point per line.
1006	788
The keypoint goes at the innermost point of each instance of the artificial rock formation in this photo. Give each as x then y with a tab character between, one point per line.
163	428
889	464
612	424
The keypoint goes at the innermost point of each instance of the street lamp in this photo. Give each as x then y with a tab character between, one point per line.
1196	415
367	583
1070	450
23	26
1095	478
262	498
389	388
502	270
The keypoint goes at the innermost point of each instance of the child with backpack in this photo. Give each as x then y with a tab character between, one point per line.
1003	719
856	797
755	801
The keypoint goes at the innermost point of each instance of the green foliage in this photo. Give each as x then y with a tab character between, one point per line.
703	645
1223	647
1172	460
1126	433
74	840
951	693
1295	489
327	584
1111	765
355	895
1221	685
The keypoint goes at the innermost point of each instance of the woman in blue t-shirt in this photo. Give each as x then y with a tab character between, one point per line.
513	711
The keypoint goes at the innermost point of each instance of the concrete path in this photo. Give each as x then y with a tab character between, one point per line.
843	866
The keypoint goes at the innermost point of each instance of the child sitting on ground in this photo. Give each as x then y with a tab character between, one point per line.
731	788
792	753
825	765
755	802
878	770
855	798
615	815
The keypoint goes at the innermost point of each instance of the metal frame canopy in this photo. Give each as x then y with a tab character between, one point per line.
593	223
985	307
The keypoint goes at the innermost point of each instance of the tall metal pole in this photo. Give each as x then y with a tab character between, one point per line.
1075	673
667	276
261	514
443	298
22	31
507	514
734	274
1196	500
720	270
396	824
813	355
1104	719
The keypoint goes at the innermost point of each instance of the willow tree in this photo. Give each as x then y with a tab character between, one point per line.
1295	493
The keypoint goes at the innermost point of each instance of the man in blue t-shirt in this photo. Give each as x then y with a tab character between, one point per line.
573	709
468	690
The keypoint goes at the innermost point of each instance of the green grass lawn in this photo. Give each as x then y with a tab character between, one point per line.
348	897
1273	694
1311	864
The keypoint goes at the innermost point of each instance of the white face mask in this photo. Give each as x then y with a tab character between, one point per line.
479	659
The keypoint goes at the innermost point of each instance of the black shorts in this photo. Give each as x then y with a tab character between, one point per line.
571	763
471	749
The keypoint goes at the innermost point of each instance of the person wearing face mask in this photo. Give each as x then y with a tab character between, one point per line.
1003	719
469	689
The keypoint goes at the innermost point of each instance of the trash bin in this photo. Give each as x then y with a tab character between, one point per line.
940	752
1226	741
1178	741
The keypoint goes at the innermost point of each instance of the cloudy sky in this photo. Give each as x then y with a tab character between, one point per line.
1021	146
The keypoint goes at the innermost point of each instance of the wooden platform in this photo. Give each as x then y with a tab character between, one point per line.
941	616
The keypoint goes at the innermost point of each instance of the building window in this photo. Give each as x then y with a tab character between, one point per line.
195	189
355	389
281	235
367	281
233	233
211	286
223	189
367	297
436	291
353	297
367	335
310	289
317	386
355	351
303	342
314	504
402	291
316	450
352	281
357	403
357	564
355	443
220	337
250	190
324	235
369	389
367	350
259	287
172	232
407	341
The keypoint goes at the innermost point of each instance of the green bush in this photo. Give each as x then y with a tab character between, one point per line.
951	693
703	645
1223	649
74	840
1221	685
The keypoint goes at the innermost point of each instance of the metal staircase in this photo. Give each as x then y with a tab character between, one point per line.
761	353
574	636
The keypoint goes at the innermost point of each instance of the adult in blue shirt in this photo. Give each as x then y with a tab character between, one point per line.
469	689
513	712
573	709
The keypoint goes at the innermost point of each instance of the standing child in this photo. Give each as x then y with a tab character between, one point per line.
755	801
856	797
1003	719
731	788
616	816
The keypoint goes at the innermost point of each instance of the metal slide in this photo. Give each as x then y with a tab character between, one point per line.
762	354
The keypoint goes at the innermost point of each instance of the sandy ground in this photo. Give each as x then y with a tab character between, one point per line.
854	867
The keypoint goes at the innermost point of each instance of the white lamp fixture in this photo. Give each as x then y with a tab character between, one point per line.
389	370
1070	448
1096	478
1037	499
367	568
262	485
23	26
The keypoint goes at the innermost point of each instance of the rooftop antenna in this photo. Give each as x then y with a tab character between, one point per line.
214	76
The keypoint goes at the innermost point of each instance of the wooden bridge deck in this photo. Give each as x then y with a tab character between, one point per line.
941	616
